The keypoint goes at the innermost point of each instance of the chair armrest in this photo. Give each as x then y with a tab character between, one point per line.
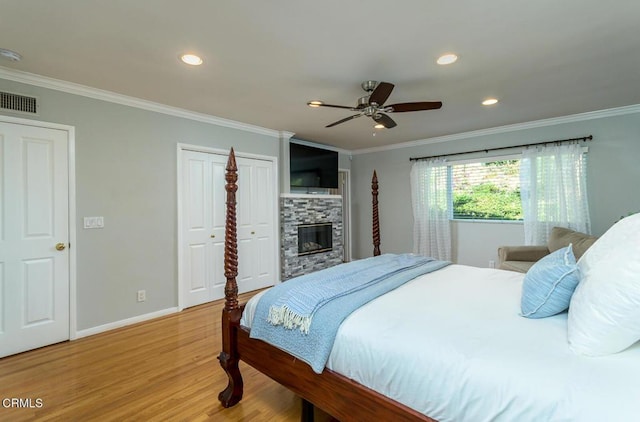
521	253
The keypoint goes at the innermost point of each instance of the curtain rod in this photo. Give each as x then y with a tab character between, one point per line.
584	139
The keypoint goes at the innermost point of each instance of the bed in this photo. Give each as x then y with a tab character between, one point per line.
448	345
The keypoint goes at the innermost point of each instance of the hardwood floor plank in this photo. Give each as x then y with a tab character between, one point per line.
163	369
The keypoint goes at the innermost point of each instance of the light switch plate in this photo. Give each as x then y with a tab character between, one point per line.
93	222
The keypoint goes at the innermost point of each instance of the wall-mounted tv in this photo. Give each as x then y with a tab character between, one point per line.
312	167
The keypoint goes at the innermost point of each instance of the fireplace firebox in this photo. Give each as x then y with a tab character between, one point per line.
314	238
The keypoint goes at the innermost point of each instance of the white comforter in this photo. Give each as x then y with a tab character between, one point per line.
450	344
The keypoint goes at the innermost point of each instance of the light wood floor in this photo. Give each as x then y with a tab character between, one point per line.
164	369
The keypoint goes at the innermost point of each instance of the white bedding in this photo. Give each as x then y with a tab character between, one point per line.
450	344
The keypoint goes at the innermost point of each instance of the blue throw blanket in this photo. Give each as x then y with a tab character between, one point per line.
302	315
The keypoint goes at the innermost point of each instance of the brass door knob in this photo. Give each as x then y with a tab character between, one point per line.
60	246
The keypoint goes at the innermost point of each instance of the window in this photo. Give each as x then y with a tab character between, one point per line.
547	180
486	190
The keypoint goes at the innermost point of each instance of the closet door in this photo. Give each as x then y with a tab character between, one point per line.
256	228
202	227
203	206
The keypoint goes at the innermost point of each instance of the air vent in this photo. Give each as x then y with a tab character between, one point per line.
16	102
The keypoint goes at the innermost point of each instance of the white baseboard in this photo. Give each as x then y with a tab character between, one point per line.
123	323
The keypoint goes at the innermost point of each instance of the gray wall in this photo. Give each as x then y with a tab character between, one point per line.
613	175
126	172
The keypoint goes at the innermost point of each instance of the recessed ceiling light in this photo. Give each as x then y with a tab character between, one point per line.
490	101
191	59
314	103
447	59
10	55
379	126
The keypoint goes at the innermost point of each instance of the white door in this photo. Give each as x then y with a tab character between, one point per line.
34	218
203	223
203	216
256	228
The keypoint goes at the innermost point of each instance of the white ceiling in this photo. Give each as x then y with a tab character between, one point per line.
265	59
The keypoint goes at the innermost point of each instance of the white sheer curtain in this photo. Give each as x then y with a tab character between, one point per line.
553	188
431	209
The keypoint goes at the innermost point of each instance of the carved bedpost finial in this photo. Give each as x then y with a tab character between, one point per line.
376	221
230	236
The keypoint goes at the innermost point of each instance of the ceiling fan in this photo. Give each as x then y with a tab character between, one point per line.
372	105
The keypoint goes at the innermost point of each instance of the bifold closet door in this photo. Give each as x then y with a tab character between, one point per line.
256	227
203	226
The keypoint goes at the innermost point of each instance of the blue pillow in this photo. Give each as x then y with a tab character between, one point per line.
549	284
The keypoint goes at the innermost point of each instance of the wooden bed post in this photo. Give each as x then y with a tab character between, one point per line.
229	357
376	220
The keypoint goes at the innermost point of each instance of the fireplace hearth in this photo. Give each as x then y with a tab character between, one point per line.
314	238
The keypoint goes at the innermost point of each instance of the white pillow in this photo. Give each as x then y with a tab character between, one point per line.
604	314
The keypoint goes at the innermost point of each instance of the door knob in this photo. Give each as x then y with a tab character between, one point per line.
60	246
213	235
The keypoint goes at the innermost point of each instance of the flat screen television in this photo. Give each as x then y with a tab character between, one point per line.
312	167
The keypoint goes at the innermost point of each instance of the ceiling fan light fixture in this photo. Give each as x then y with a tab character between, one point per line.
490	101
378	126
191	59
448	58
314	103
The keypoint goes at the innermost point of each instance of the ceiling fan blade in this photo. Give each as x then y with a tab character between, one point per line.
402	107
317	103
385	120
335	106
346	119
381	93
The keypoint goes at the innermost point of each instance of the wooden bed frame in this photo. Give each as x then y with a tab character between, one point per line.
339	396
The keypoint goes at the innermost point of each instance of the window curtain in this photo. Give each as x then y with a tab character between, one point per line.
431	209
553	188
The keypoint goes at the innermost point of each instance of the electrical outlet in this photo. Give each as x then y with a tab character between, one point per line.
142	295
492	263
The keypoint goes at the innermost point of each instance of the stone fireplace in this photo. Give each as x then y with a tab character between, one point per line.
311	233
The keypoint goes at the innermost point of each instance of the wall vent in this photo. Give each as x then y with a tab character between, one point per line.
16	102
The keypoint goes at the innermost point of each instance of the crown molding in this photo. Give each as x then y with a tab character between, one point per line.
590	115
285	136
99	94
112	97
